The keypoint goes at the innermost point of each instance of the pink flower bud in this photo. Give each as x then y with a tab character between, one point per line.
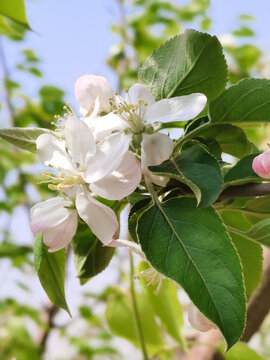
261	165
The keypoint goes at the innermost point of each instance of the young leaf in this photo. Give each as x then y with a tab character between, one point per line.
191	246
196	168
241	352
121	321
15	10
246	102
24	138
90	256
242	172
259	232
51	269
188	63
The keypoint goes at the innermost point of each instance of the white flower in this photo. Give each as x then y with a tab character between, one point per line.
57	220
133	118
198	320
77	154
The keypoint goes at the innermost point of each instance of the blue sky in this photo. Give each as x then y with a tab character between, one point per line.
73	37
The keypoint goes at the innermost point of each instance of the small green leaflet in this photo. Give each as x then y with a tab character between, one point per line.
24	138
259	232
198	169
51	268
15	10
188	63
246	102
241	352
90	256
242	172
191	246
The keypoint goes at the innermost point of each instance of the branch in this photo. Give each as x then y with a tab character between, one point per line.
47	316
247	190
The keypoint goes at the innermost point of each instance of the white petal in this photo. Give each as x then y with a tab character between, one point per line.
99	217
130	245
104	125
180	108
156	179
48	214
51	151
61	235
137	92
108	156
156	148
88	88
121	182
79	140
198	320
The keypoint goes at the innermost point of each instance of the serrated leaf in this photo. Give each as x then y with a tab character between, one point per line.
90	256
242	172
24	138
188	63
121	321
196	168
15	10
259	232
51	269
246	102
191	246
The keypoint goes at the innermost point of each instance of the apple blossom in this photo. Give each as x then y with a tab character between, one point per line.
72	157
261	165
132	118
198	320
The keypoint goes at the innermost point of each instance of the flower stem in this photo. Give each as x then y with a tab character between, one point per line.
136	310
188	136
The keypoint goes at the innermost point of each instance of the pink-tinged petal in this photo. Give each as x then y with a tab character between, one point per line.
52	152
180	108
198	320
156	179
61	235
88	88
129	245
99	217
105	125
48	214
156	148
265	163
121	182
137	92
79	140
108	156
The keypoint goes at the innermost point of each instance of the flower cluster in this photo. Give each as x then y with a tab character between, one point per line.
104	154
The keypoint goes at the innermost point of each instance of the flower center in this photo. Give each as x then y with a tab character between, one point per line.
62	181
131	113
153	278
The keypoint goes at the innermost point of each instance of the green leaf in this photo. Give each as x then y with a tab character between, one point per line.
191	246
15	10
249	252
188	63
134	214
259	232
51	268
24	138
241	351
90	256
121	321
232	139
166	306
242	172
196	168
246	102
243	31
